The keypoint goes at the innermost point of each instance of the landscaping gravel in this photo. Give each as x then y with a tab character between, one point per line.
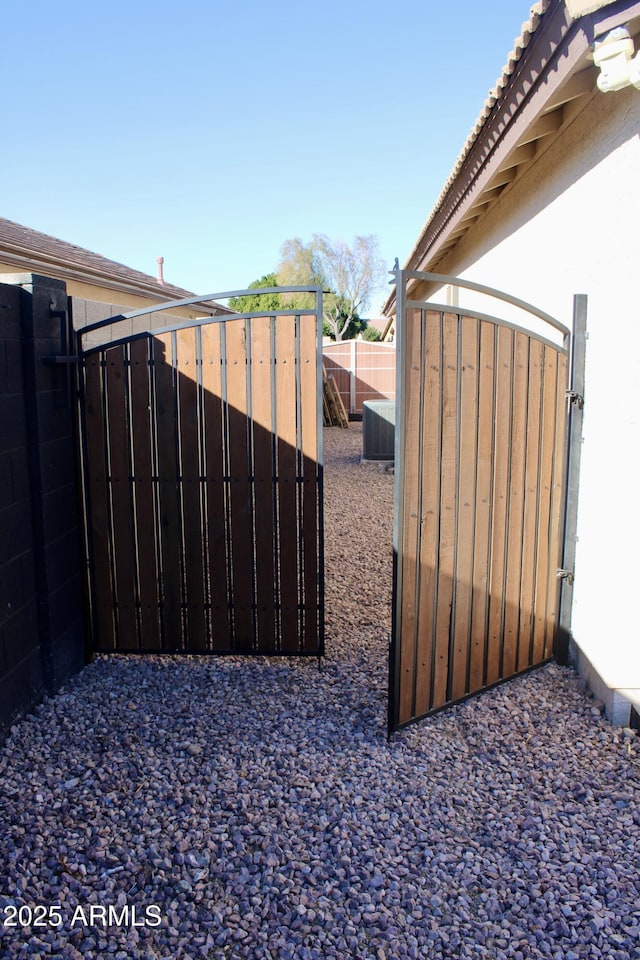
240	808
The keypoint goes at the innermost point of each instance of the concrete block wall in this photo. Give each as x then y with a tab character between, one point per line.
42	639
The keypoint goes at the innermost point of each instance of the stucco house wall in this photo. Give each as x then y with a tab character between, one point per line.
570	224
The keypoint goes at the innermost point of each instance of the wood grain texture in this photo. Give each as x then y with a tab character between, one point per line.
99	527
483	515
410	537
448	512
123	541
145	495
239	486
532	478
191	470
430	510
481	493
466	495
168	493
263	425
285	349
214	436
309	392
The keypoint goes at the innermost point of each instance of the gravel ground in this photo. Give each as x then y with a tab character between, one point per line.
242	808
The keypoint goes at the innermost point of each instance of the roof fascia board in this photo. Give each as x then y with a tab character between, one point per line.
615	15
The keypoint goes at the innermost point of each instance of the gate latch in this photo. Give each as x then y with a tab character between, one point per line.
565	575
574	397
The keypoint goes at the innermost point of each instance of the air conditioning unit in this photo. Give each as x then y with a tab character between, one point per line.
378	429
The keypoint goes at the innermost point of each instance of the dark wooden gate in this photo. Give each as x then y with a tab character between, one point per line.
202	451
480	471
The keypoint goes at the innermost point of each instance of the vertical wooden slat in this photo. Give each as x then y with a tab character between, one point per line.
467	456
413	346
213	435
448	507
121	497
99	527
190	472
482	544
287	470
168	494
430	519
144	492
547	444
556	502
262	369
516	503
499	513
531	503
309	397
242	556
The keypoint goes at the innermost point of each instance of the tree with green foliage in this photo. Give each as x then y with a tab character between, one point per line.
372	334
351	274
255	302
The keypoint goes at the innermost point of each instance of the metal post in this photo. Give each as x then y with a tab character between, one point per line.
352	377
569	528
319	311
394	651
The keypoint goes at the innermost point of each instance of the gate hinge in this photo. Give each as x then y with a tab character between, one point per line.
61	314
574	397
565	575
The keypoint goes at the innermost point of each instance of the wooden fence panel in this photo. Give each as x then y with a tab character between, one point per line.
363	370
203	481
480	487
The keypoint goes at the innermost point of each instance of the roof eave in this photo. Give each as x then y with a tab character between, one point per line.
68	270
556	53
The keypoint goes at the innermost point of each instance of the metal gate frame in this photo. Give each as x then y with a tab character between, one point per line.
418	703
274	468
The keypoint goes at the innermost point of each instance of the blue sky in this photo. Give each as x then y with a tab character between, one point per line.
210	132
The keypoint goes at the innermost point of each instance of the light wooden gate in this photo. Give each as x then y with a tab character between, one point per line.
480	475
202	450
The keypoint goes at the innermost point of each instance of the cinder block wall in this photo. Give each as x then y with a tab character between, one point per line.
41	586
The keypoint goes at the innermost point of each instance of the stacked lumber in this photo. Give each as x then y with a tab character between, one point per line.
334	413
